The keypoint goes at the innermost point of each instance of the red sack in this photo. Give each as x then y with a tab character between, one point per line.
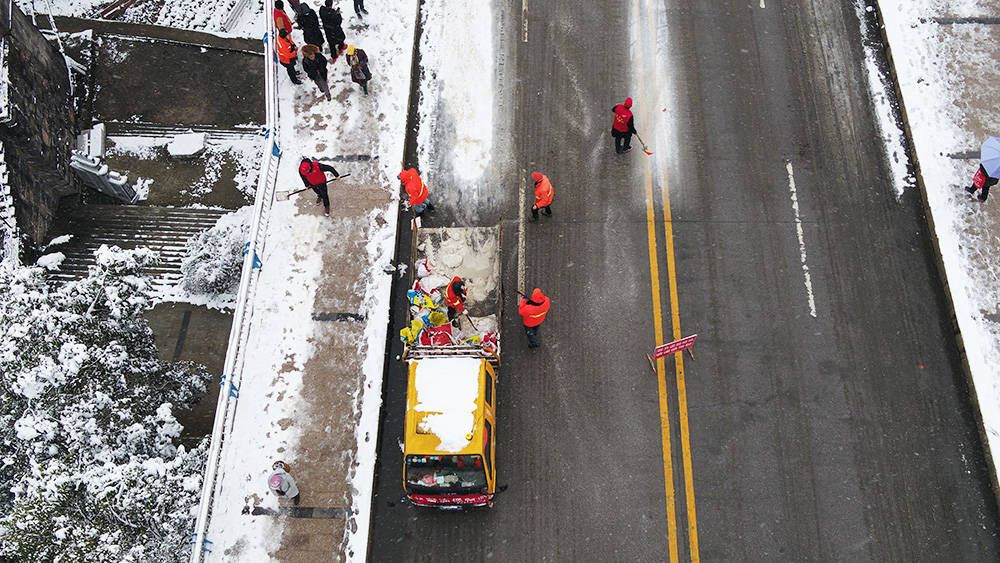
437	336
979	179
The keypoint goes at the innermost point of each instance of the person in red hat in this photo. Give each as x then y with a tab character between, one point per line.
623	126
543	195
313	174
533	312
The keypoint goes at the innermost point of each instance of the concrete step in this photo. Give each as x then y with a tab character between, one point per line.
156	130
164	230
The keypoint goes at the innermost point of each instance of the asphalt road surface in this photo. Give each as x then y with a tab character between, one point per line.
825	415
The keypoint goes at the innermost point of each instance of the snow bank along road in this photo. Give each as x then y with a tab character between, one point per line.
826	414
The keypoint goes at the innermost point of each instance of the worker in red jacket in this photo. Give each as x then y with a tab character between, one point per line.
281	19
623	126
417	190
533	312
543	195
313	175
454	297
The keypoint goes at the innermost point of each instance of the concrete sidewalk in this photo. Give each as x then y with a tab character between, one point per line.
311	384
302	410
333	377
944	65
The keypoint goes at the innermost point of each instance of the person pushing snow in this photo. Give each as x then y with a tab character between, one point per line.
543	195
623	126
417	190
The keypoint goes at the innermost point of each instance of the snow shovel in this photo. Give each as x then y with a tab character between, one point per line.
645	149
283	195
470	321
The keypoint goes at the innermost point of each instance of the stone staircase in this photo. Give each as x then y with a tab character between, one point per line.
214	134
165	230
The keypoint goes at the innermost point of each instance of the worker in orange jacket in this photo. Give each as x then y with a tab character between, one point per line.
417	190
533	312
288	53
543	195
454	297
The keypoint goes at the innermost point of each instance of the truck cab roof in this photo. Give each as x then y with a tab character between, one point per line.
446	399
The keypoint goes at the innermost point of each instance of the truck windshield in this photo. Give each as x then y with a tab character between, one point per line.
436	474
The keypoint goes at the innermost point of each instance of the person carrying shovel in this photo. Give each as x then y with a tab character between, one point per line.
313	174
623	126
454	298
417	190
533	312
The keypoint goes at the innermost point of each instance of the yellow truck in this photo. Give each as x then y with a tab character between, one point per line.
449	439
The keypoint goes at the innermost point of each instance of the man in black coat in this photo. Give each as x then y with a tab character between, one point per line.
314	63
309	23
333	26
297	8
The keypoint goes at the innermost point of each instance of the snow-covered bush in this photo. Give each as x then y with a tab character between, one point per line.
90	468
214	259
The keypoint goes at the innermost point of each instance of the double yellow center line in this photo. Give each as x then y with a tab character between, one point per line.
654	272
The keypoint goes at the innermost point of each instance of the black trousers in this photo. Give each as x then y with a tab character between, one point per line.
982	196
359	6
532	333
324	194
547	210
623	141
292	73
336	43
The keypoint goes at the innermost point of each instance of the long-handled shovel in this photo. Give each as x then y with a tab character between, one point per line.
470	321
645	149
283	195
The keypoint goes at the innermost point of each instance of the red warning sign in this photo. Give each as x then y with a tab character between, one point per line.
673	347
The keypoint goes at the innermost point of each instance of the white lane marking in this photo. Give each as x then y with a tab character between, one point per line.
524	21
802	240
520	234
762	4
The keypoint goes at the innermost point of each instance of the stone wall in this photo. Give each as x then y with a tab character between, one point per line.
41	129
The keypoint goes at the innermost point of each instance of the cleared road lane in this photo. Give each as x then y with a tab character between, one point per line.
827	411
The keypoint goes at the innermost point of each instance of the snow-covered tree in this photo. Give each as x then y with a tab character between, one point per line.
213	260
90	468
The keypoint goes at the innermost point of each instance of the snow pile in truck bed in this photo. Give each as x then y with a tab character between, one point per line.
472	253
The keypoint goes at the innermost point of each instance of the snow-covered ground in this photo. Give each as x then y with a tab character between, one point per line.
881	87
456	100
244	154
234	18
947	75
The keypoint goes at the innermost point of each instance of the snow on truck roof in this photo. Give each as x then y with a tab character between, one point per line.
446	394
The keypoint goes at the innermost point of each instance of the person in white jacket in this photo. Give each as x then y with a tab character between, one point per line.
282	484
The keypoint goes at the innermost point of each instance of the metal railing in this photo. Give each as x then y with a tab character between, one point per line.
235	13
225	413
10	242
